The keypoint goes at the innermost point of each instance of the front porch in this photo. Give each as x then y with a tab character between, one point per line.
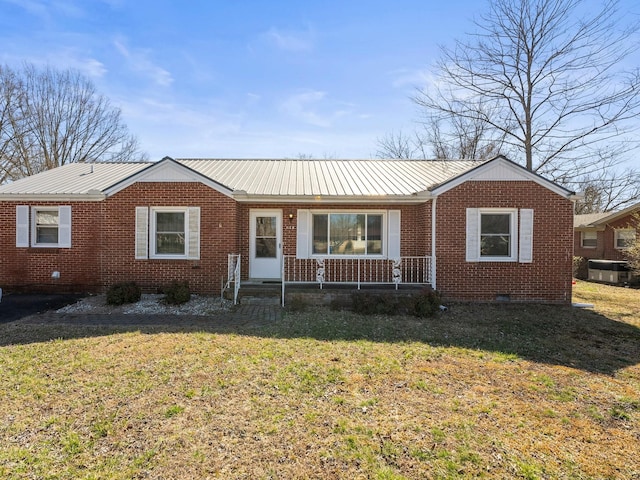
329	280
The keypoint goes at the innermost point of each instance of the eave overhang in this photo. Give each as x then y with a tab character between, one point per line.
52	197
501	168
416	198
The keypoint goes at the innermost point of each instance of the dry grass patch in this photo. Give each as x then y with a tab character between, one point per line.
480	391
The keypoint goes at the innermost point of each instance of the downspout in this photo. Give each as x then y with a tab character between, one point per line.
433	242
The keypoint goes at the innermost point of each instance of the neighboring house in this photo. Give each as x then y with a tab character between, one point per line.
602	239
605	236
480	232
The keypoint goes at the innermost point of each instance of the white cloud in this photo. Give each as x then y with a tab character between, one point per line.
314	107
177	129
290	41
302	106
139	61
406	77
34	7
87	66
47	9
61	60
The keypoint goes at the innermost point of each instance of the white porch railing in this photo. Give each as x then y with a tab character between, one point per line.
356	271
233	275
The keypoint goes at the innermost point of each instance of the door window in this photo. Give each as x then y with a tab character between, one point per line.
266	237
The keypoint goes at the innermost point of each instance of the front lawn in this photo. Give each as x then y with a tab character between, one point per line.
503	391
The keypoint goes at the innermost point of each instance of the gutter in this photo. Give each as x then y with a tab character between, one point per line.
415	198
92	196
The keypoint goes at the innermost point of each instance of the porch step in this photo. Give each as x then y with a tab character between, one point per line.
261	294
252	300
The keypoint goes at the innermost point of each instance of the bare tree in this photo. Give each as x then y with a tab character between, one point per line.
460	138
49	118
400	146
551	83
311	156
609	191
9	119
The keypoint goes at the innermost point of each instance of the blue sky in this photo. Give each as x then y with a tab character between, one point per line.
244	79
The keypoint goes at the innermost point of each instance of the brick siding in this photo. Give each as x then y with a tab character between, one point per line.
103	241
32	268
217	237
605	249
546	279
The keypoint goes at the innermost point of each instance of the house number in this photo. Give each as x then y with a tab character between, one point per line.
290	227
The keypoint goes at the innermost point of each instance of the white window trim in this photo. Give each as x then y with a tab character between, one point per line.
582	239
64	226
385	237
152	233
513	232
616	237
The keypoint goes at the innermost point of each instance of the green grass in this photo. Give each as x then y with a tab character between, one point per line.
503	391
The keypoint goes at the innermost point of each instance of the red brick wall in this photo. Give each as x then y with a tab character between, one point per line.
103	241
546	279
31	268
217	237
605	250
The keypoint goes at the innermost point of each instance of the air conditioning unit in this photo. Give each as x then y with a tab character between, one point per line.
609	271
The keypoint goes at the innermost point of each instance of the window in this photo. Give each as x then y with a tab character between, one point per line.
46	224
168	232
493	236
589	239
347	234
43	227
624	238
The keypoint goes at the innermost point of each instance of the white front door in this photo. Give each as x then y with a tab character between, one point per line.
265	247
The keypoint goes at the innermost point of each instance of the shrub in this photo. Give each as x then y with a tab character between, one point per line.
580	268
426	303
370	304
296	304
177	293
633	257
422	304
124	292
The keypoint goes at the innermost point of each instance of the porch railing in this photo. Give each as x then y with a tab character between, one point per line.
233	275
356	271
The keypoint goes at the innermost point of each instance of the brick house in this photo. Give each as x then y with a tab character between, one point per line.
604	236
480	232
600	242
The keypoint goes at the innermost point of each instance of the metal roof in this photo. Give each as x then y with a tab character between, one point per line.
328	177
592	220
73	179
333	178
588	219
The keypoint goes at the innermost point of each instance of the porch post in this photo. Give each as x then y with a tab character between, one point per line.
282	278
433	242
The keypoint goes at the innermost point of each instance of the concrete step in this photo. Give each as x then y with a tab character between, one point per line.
266	294
262	300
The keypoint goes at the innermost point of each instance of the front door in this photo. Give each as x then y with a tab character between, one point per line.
265	237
